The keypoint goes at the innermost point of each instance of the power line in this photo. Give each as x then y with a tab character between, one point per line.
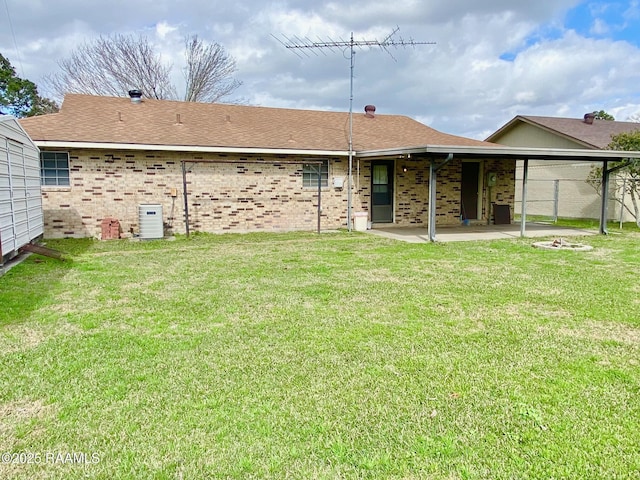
304	45
13	34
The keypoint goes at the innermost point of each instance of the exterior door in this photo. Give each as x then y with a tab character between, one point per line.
382	192
469	190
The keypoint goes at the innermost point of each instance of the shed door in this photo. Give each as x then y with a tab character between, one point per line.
470	190
382	192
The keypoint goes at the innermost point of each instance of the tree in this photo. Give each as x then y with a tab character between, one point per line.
208	72
115	64
629	184
635	118
602	115
19	97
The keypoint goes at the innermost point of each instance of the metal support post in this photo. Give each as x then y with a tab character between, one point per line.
523	214
186	198
432	201
604	207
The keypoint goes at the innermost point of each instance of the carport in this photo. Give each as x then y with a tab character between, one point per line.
437	156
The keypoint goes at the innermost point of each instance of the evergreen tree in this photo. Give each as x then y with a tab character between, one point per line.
19	97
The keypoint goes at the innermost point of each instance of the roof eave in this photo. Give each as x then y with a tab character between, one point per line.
186	148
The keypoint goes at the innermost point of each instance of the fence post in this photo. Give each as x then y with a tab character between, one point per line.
624	190
556	198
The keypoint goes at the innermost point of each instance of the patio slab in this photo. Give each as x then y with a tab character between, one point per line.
478	232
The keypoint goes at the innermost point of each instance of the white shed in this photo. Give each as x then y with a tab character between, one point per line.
21	217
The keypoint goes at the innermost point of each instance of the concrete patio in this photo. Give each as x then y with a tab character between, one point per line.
478	232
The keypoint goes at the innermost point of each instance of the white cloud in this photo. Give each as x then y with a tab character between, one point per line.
461	85
600	27
163	29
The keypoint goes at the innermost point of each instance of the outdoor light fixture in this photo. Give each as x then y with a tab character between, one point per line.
404	169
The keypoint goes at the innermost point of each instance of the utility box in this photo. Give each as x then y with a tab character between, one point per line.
150	221
360	221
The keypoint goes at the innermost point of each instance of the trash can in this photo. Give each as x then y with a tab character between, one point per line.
360	221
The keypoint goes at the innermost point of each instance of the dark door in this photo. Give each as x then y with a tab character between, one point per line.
382	192
469	187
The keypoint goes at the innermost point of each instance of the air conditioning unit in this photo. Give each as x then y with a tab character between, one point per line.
150	221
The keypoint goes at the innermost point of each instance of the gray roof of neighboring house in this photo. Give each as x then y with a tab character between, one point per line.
596	135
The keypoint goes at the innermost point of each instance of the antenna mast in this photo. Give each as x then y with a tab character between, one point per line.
305	45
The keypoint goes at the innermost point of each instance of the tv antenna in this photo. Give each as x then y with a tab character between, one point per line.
304	45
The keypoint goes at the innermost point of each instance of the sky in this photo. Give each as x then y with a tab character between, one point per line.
492	59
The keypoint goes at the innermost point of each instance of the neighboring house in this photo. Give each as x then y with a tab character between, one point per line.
250	168
563	180
21	219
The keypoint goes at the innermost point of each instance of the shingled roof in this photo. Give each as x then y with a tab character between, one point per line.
114	120
595	136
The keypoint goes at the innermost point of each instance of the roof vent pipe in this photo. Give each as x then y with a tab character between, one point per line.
136	96
588	118
370	111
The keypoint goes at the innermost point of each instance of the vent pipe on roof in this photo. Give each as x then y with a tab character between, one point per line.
136	96
588	118
370	111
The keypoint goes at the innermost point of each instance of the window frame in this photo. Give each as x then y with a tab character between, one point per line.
59	180
310	177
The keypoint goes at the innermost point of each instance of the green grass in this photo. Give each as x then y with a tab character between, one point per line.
332	356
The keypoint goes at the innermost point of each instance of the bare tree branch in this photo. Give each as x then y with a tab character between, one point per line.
112	66
115	64
208	72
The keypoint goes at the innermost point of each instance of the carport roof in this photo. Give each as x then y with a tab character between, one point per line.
515	153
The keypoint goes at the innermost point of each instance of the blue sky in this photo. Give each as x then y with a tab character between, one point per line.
619	21
492	60
616	21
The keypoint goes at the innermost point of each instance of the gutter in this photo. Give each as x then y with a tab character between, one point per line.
188	148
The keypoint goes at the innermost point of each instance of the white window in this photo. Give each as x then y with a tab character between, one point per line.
54	168
310	174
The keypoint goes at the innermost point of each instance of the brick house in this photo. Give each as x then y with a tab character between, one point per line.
247	168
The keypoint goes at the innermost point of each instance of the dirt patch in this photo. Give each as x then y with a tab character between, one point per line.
15	338
601	331
24	336
16	413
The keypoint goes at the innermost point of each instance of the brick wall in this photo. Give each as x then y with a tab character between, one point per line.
237	197
259	193
412	190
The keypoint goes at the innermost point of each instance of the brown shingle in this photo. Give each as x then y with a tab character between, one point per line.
87	118
597	135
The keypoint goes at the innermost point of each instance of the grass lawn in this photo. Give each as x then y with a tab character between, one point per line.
322	356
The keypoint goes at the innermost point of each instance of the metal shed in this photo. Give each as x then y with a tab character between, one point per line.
21	217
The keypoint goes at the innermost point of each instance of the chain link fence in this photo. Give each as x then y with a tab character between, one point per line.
571	198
